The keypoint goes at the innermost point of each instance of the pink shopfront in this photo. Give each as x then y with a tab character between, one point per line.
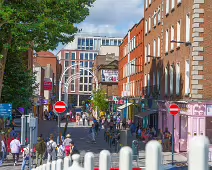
194	119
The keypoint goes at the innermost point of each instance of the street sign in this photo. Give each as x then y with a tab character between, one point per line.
5	110
174	109
60	107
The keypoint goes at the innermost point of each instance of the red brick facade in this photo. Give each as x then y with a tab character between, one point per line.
131	62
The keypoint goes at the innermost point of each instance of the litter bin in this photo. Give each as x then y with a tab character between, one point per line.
135	149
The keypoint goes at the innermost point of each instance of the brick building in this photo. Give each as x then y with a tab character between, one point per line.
131	63
177	66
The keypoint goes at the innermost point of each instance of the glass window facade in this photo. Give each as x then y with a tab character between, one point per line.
73	56
67	56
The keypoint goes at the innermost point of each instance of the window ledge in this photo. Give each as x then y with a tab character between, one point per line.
177	48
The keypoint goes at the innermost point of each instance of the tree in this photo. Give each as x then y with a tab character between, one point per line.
19	82
99	100
38	24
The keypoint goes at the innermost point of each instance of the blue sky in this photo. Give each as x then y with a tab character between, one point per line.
111	18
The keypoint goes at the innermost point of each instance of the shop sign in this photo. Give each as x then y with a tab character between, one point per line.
48	84
209	110
183	107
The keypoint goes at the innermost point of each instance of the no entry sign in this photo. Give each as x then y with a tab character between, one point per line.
60	107
174	109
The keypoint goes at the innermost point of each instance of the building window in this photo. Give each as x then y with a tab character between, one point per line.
87	42
115	42
146	53
158	80
148	83
81	79
85	88
86	56
148	57
173	4
67	56
167	6
73	87
150	24
154	48
81	87
146	27
187	77
146	4
155	19
95	54
90	87
166	81
171	75
85	79
177	78
66	78
91	42
159	15
103	42
178	32
90	79
79	41
167	41
66	63
172	37
188	27
90	56
119	41
158	46
107	42
83	42
73	56
81	56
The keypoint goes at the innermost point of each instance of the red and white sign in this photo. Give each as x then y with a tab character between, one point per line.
174	109
60	107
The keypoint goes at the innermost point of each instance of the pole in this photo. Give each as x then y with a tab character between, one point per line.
30	143
23	129
60	86
173	140
58	121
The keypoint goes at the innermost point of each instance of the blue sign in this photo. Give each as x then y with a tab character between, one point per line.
5	110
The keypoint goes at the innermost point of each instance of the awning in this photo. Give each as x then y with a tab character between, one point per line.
146	113
123	106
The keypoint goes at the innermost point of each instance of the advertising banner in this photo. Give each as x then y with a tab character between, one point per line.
48	84
110	75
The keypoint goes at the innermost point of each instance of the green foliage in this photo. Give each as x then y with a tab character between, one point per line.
100	100
41	24
19	83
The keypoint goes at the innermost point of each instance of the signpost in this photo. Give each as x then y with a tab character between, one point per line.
5	110
59	108
173	110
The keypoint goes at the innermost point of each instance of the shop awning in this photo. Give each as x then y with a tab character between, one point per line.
145	113
123	106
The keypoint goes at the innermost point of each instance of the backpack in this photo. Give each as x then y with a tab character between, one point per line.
49	148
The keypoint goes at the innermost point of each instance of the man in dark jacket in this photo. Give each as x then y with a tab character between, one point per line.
40	150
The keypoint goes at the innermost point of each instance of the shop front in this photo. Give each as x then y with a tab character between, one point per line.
126	110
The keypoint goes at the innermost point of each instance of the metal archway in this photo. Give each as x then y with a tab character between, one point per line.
73	65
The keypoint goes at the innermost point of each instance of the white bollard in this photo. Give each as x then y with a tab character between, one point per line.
125	158
54	165
67	162
198	153
48	166
44	167
75	165
153	153
89	161
59	164
40	167
33	168
104	160
37	168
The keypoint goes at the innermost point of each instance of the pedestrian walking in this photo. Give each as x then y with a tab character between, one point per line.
1	153
15	147
67	140
51	149
73	149
92	133
88	119
60	152
40	151
83	119
25	154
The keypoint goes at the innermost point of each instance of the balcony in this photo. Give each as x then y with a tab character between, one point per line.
151	91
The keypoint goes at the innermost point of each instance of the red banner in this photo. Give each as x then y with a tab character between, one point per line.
47	85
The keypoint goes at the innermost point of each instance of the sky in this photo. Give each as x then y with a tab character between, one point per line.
111	18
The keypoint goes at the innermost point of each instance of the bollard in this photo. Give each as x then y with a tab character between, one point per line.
48	166
54	165
59	164
44	167
104	160
89	161
67	162
135	149
125	156
75	164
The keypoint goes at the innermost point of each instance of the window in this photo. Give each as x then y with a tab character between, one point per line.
81	87
66	63
146	3
155	19
81	56
72	87
158	46
107	42
90	56
87	42
91	42
153	77
81	79
177	78
66	78
85	80
86	56
85	88
171	75
83	42
90	87
95	54
188	27
146	53
73	63
167	7
148	83
111	42
173	4
103	42
154	48
119	41
90	79
73	56
172	37
166	81
79	41
86	64
115	42
146	27
167	40
148	58
73	71
90	64
159	15
178	32
67	56
150	24
187	77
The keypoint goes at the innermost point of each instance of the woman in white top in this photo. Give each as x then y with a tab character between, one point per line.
15	147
